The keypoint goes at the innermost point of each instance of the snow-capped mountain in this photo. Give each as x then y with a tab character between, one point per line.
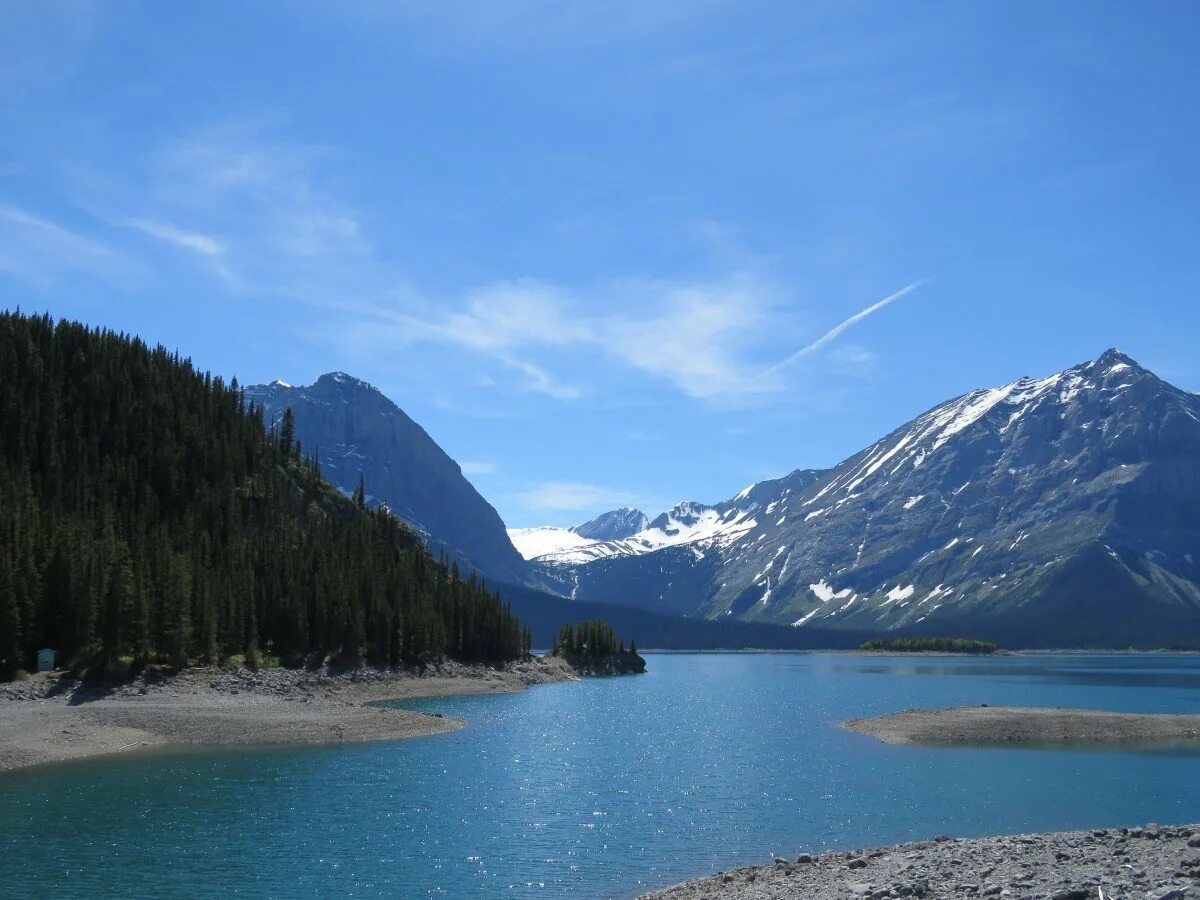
1059	510
552	540
614	525
356	430
548	540
687	522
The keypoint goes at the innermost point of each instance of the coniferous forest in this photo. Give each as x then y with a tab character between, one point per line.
930	645
591	638
146	516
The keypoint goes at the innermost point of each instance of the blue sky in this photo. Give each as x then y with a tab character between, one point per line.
578	242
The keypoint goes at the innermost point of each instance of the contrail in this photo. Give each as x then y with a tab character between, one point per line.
838	329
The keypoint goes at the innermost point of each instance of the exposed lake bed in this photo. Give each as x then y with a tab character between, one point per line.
51	720
606	787
1025	726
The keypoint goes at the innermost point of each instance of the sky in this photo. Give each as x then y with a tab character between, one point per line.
620	253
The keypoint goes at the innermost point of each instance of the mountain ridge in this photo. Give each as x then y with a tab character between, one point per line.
356	430
1017	510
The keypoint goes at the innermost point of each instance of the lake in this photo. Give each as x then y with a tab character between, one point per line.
602	788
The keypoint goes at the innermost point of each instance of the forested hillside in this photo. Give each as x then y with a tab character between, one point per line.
145	515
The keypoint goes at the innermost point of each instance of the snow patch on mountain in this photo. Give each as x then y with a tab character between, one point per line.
541	540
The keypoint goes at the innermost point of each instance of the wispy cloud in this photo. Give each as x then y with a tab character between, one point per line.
285	234
39	250
186	240
565	496
833	333
701	336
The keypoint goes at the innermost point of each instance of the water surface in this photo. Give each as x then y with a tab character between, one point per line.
603	788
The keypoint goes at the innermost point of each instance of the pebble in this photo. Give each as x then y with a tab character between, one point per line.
1151	861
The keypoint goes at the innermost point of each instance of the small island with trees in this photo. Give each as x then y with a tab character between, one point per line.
591	648
929	645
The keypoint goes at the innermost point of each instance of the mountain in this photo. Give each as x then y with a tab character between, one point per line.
357	431
532	543
149	517
1049	511
613	525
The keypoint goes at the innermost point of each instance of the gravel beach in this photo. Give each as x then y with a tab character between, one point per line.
1031	726
49	720
1111	864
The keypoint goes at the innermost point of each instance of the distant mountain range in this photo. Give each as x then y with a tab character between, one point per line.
1058	511
1051	511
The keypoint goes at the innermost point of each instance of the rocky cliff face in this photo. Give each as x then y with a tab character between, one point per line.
356	430
1052	511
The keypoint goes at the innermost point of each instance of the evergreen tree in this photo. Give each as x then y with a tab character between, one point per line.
287	432
10	625
593	638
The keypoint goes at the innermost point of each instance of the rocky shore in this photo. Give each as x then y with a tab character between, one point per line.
1155	863
49	719
603	666
1031	726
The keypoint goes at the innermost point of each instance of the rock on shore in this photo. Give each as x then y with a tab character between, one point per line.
1114	864
1030	726
613	664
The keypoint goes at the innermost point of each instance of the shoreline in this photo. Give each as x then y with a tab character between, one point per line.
1002	652
45	721
1162	863
1031	726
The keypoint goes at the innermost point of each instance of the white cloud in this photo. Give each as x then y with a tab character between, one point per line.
284	234
566	496
696	335
512	314
187	240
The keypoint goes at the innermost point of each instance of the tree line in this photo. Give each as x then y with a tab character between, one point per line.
147	516
591	638
931	645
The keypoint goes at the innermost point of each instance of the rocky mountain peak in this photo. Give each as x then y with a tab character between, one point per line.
340	381
685	513
360	432
613	525
1112	356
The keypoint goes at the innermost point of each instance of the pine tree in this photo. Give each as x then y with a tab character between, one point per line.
10	625
287	432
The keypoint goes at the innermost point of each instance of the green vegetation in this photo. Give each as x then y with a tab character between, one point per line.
145	513
930	645
590	639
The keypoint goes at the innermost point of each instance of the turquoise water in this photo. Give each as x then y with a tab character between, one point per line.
600	789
